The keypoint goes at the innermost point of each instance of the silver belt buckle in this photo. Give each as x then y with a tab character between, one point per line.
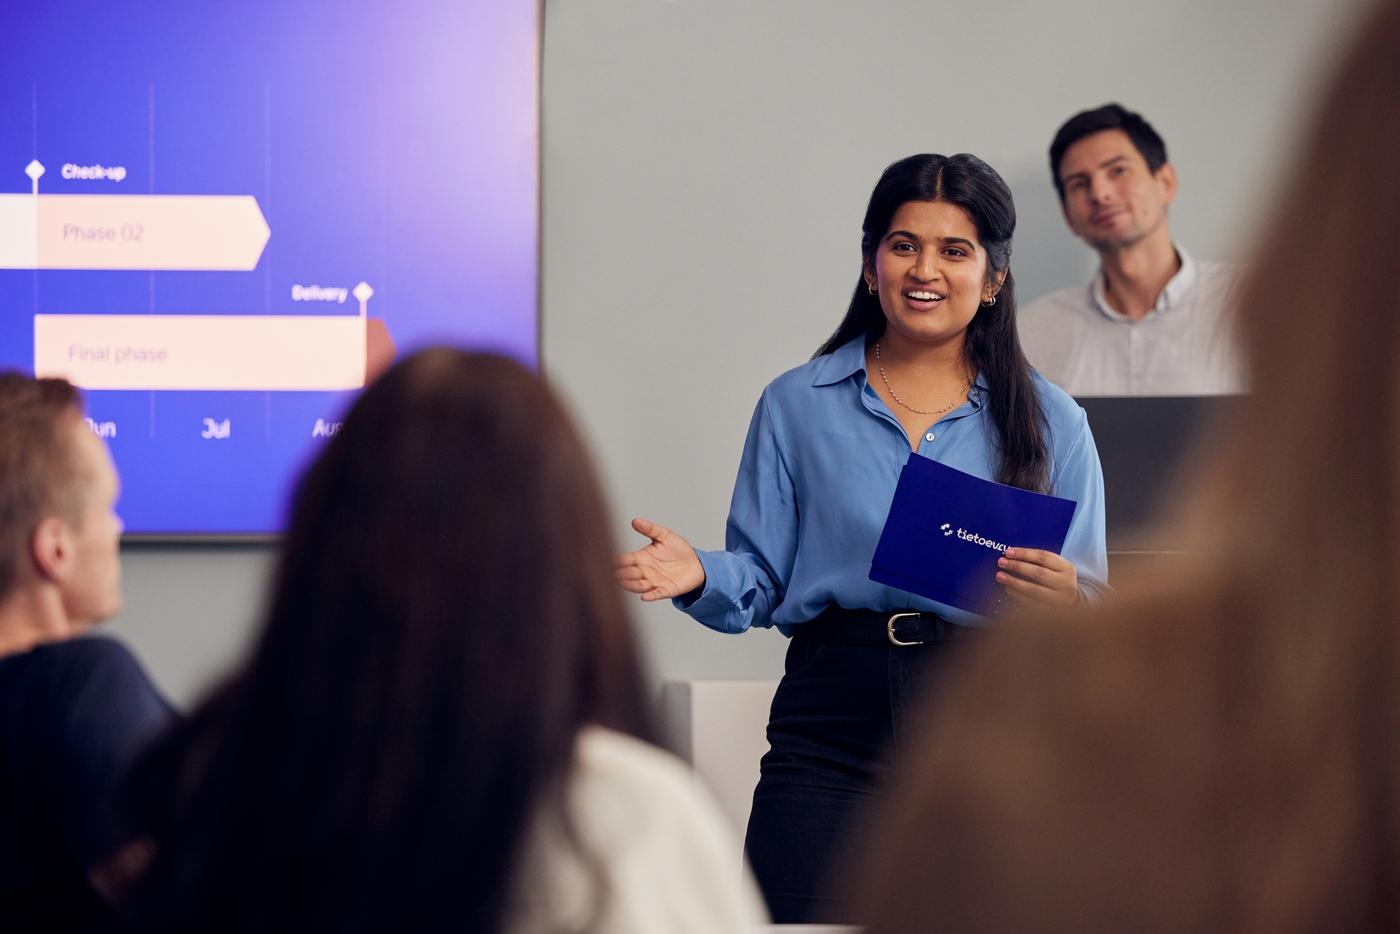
889	630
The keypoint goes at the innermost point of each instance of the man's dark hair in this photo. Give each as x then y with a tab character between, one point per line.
1108	117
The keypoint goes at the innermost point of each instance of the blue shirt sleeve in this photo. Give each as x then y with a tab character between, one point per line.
1078	475
743	583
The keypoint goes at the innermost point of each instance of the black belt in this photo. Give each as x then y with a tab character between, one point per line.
903	628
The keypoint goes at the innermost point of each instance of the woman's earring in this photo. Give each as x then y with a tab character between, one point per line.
989	302
870	287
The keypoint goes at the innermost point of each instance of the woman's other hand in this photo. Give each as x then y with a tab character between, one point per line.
664	568
1033	576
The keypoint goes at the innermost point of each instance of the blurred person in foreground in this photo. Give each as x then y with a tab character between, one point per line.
442	726
74	712
1218	750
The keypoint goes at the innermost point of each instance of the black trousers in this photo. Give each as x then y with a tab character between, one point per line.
833	740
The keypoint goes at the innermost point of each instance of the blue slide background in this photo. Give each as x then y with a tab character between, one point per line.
396	144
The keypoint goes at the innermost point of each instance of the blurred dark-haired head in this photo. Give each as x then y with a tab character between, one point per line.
1144	138
457	519
442	626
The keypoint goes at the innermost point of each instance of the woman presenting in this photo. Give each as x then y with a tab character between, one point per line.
926	359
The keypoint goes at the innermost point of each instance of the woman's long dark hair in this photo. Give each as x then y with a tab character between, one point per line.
443	624
993	347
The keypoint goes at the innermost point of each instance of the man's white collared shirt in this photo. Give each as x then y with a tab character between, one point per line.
1184	346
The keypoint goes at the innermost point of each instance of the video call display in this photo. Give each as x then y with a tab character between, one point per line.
221	220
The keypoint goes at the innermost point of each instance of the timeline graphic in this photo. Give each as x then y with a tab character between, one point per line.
125	231
221	231
181	352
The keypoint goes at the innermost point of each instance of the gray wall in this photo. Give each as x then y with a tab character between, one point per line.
706	165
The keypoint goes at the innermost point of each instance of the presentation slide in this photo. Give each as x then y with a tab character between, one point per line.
221	220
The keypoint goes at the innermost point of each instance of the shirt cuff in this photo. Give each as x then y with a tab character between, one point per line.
712	604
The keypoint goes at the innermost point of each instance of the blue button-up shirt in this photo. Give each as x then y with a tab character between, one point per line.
819	469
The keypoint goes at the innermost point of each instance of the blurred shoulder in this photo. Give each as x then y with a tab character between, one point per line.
1219	279
96	654
1214	270
107	667
666	856
85	661
1059	305
631	791
618	759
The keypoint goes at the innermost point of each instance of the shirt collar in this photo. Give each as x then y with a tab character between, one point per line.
849	359
844	361
1177	286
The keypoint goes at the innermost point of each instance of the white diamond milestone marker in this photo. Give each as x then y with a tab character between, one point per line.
34	169
363	292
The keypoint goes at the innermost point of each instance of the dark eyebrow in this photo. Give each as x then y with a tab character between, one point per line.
946	241
1102	165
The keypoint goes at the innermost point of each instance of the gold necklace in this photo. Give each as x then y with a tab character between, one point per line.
966	387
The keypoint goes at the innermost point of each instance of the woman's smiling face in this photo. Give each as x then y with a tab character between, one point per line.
930	271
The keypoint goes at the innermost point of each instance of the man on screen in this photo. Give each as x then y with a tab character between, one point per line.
1154	321
73	711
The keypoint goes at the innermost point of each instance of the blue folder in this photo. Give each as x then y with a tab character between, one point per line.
946	529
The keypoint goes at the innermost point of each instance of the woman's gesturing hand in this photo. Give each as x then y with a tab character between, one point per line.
1034	576
666	567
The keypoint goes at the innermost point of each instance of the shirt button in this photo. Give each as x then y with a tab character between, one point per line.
929	436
